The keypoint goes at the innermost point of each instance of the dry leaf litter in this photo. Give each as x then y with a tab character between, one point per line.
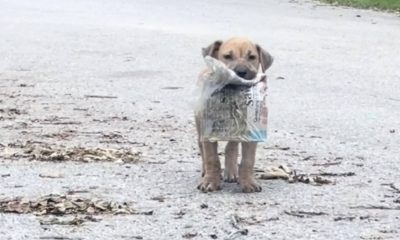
55	204
45	152
57	209
284	173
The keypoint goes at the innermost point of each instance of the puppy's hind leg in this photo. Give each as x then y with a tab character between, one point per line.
231	168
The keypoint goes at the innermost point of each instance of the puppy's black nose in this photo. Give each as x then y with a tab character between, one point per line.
241	73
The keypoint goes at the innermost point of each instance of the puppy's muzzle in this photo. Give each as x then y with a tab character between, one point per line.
241	73
244	72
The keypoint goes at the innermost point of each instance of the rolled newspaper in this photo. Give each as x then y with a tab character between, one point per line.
232	108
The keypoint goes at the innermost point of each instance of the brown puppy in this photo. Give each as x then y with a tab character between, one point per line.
245	58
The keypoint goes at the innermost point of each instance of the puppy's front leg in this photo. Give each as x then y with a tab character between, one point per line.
203	169
212	178
231	155
246	178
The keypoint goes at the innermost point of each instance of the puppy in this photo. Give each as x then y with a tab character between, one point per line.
245	58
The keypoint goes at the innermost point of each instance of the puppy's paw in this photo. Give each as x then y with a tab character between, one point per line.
230	176
249	185
210	184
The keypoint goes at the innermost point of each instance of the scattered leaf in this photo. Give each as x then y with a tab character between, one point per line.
51	175
213	236
345	218
75	221
189	235
203	206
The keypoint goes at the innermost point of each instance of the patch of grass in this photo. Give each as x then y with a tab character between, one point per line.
390	5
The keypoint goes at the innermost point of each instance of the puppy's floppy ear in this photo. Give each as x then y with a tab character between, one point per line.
212	50
266	59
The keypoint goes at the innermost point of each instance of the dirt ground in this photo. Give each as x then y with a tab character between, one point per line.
97	138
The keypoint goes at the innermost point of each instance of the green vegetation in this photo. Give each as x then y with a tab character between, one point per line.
391	5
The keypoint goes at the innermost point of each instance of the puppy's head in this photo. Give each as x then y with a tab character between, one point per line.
240	55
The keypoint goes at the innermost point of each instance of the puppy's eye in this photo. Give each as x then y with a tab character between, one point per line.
252	57
227	57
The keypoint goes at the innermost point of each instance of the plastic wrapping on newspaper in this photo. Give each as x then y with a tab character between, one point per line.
230	108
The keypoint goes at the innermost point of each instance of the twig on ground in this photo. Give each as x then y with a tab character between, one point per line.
236	234
375	207
99	96
327	164
303	214
329	174
235	220
396	189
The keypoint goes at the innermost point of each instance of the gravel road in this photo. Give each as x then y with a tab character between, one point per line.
120	75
